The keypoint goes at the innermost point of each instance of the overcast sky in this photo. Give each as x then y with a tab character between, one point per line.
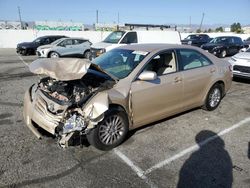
130	11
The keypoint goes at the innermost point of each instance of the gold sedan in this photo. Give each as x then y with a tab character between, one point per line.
123	89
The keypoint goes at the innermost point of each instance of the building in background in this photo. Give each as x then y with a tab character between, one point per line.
246	29
108	27
10	25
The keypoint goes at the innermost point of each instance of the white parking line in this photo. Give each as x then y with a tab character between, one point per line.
142	174
136	169
22	60
196	146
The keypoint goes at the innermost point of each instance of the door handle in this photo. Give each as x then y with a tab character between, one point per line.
212	70
177	79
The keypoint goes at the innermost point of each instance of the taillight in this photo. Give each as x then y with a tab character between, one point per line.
230	68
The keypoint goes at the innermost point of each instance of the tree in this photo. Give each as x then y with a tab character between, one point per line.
219	29
210	30
236	27
198	31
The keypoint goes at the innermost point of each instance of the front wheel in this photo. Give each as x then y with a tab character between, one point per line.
54	55
87	54
214	97
223	53
110	132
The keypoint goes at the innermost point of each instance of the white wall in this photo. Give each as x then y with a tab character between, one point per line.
10	38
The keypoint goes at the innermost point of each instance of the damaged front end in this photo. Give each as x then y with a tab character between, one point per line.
67	107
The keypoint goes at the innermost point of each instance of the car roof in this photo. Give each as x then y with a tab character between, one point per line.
79	38
198	34
227	37
155	47
46	36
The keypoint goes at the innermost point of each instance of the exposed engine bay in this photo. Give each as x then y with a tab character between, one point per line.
73	94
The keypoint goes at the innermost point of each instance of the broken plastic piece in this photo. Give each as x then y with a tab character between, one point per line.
74	123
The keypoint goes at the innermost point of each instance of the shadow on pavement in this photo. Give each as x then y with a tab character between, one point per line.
210	166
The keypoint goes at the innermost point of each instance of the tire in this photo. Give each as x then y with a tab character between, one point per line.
54	55
106	135
24	52
223	54
87	54
213	98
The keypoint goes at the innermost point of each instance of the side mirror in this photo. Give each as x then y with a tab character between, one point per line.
147	76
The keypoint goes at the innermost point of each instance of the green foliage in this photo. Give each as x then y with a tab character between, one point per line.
236	27
209	30
198	31
219	29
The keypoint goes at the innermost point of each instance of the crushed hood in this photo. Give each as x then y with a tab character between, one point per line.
63	69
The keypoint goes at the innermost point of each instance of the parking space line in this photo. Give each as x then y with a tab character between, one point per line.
140	173
196	146
22	60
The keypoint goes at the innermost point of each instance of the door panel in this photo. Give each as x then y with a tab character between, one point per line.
153	100
195	82
197	73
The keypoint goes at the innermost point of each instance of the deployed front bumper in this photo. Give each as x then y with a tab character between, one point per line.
36	112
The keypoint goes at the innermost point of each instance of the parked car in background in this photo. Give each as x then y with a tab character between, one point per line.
247	41
196	39
241	64
29	48
224	46
123	89
121	38
66	47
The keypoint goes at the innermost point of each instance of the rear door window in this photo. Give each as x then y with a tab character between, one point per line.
191	59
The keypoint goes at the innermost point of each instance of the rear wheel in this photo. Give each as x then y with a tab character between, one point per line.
54	55
110	132
214	97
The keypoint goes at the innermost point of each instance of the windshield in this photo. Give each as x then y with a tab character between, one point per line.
37	40
192	37
220	40
119	62
114	37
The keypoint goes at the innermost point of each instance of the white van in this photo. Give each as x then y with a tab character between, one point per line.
120	38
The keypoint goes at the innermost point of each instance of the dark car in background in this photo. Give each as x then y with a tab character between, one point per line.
224	46
196	39
29	48
247	41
